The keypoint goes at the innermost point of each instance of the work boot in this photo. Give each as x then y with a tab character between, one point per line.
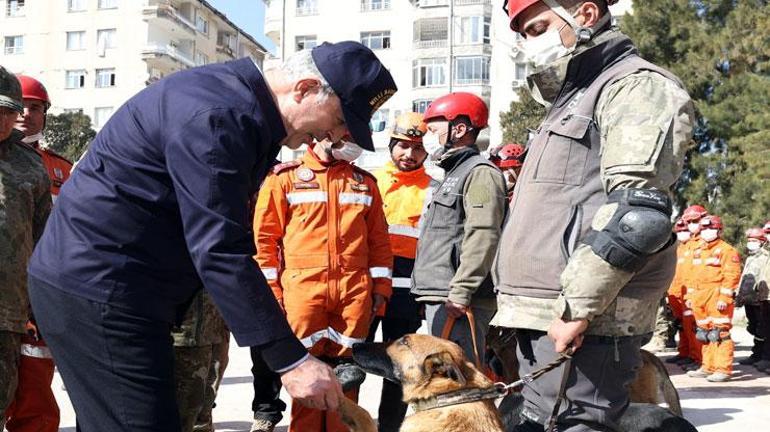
677	359
762	365
717	377
698	373
690	366
655	345
748	361
685	361
262	425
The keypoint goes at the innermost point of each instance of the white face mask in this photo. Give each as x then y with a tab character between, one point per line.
767	236
431	141
349	151
709	234
753	246
683	236
546	48
693	227
32	138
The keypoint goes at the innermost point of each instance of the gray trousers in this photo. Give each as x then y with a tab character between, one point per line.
435	316
597	387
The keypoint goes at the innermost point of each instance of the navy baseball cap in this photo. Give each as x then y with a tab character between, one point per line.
360	81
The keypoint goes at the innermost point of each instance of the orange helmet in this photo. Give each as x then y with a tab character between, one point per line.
33	89
756	233
694	212
509	156
459	104
712	222
409	127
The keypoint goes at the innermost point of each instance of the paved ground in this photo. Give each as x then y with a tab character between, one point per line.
743	402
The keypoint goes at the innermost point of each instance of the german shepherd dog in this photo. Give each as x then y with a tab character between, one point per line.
428	366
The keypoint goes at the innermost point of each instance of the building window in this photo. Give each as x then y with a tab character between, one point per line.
429	72
376	40
306	42
101	115
431	33
14	8
429	3
520	72
76	5
374	5
379	121
106	38
14	45
200	58
201	23
472	70
471	30
105	78
108	4
307	7
76	79
76	41
420	105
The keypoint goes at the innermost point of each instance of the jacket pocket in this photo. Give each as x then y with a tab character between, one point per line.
563	160
442	211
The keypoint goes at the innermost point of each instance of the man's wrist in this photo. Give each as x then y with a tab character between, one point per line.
283	354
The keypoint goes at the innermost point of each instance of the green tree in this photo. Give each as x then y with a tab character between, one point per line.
69	134
524	114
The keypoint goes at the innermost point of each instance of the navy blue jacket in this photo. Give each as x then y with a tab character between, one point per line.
158	207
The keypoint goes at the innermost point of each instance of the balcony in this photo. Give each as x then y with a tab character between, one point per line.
167	57
166	13
307	10
429	44
472	2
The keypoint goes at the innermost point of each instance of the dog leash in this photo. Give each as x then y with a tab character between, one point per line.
447	330
496	391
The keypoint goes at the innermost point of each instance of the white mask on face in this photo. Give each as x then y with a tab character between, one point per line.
767	236
709	234
431	141
693	227
546	48
683	236
348	152
753	246
32	138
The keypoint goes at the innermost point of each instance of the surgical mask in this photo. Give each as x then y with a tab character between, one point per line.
431	141
349	151
32	138
753	246
767	237
693	227
683	236
709	235
546	48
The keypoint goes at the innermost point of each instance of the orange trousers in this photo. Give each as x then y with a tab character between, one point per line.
304	419
688	346
34	408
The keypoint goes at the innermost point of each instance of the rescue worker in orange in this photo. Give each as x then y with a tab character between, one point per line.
675	296
718	266
405	187
688	277
509	158
322	244
34	408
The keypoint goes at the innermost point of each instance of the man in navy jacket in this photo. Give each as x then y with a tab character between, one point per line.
158	208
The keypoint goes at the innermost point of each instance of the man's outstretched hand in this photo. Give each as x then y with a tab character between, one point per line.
313	384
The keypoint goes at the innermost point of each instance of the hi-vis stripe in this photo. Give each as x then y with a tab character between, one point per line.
355	198
271	273
400	282
42	352
404	230
380	272
295	198
688	312
332	335
726	291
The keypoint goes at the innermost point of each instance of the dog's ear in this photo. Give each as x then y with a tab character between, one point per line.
443	365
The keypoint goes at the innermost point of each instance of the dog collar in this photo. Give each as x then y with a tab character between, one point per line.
459	397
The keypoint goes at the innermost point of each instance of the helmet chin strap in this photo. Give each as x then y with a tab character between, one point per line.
582	33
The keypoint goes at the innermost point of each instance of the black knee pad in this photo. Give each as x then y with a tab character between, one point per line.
701	334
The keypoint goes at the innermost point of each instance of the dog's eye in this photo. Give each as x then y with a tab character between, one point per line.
404	341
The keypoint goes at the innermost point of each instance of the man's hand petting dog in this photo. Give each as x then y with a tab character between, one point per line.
565	334
314	384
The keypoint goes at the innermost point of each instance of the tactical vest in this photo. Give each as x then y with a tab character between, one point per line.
560	190
440	245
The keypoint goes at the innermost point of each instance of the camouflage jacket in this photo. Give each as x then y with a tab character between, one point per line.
25	202
202	325
756	272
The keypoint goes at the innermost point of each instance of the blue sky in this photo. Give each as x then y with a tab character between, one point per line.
248	15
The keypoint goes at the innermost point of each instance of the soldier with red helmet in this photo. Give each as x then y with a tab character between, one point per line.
509	158
461	227
34	407
751	286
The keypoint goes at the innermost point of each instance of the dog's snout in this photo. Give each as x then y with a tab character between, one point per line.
374	359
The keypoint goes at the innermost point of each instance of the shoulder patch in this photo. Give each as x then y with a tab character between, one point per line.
736	258
281	167
358	169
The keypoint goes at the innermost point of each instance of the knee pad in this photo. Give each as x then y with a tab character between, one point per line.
713	335
701	334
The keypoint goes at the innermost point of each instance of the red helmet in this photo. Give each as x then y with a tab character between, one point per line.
509	156
33	89
712	222
513	8
680	225
694	212
459	104
756	233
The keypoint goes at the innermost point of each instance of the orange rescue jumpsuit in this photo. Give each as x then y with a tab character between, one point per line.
34	408
322	244
716	271
688	346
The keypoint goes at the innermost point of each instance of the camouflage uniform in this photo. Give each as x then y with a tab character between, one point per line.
200	349
25	202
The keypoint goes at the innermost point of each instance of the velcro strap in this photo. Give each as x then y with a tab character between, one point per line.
642	198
